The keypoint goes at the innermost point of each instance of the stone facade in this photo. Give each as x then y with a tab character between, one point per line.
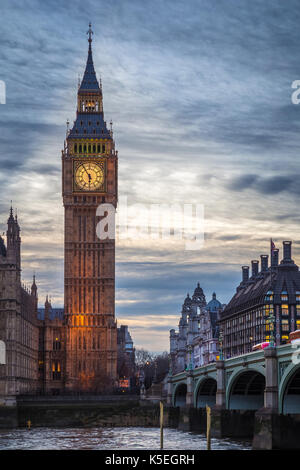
35	338
196	342
18	320
74	349
89	172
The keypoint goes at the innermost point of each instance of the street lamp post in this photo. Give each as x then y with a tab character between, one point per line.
221	345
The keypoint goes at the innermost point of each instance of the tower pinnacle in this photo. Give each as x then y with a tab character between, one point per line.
90	33
89	81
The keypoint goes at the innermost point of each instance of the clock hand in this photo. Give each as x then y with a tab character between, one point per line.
86	171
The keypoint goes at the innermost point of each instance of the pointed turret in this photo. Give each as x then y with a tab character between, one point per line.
13	240
47	309
33	287
199	297
34	293
90	122
89	81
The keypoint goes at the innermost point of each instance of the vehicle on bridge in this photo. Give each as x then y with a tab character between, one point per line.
259	346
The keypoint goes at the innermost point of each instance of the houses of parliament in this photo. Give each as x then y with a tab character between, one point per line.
74	349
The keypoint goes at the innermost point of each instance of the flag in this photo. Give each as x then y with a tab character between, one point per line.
272	246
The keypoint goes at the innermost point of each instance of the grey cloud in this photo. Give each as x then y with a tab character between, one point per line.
265	185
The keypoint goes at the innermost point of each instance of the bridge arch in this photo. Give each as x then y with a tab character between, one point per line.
245	389
205	392
289	391
179	394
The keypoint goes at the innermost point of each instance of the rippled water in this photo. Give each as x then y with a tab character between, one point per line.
109	438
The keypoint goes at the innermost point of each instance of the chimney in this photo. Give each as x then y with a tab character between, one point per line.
245	271
275	257
264	263
254	266
287	250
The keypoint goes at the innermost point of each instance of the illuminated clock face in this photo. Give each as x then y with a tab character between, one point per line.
89	176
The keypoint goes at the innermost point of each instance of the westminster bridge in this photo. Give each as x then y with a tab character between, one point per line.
260	390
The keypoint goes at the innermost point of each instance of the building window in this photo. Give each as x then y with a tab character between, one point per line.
297	296
269	296
298	324
56	371
298	310
56	344
285	325
284	296
268	309
284	309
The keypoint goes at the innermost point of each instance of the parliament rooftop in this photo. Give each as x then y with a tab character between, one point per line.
267	301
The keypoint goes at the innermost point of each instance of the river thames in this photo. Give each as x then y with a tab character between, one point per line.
110	438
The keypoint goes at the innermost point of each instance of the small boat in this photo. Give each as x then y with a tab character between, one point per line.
259	346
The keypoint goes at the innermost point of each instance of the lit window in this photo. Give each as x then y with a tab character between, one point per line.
298	310
284	296
297	296
56	371
284	325
269	296
284	309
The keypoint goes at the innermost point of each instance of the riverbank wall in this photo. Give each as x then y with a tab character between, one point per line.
267	431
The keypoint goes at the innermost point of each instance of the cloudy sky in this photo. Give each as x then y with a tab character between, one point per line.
200	96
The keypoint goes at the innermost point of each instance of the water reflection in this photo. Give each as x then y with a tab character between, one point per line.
109	438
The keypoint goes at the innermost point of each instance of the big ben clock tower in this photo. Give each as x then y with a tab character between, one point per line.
89	173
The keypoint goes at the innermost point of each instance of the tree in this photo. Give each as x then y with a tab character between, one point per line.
148	363
142	357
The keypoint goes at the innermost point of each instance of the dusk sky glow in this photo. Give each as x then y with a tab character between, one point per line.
200	96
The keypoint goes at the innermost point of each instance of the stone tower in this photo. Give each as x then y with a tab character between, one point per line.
18	320
89	172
